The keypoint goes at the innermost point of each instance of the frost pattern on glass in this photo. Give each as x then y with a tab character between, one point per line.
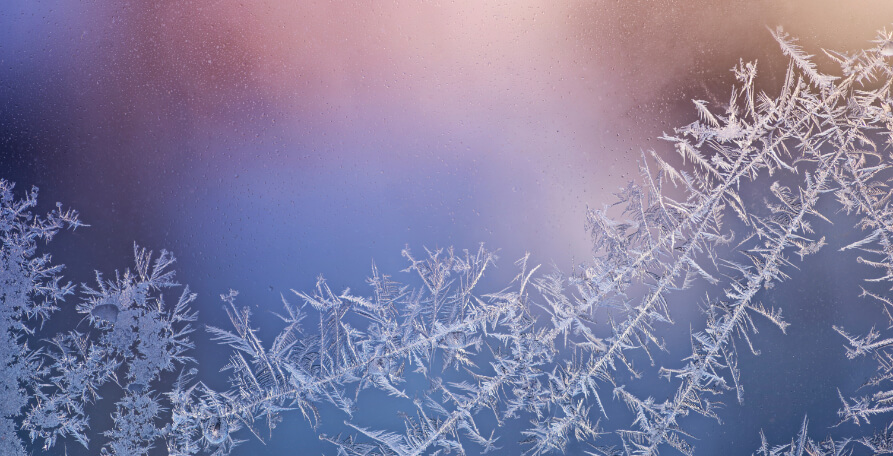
531	352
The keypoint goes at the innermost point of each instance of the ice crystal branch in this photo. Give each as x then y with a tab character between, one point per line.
133	338
30	290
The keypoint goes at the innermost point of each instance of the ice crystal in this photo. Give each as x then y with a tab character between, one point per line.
534	352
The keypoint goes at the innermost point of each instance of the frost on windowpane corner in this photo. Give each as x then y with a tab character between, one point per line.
539	351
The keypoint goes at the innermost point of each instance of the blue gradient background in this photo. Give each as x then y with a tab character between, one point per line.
267	142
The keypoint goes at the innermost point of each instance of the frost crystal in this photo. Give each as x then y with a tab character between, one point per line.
534	354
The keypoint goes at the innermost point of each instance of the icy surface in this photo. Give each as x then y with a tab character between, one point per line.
543	360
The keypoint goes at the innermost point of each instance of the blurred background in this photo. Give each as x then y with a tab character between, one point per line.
268	142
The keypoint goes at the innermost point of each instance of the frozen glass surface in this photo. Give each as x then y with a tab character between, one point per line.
398	228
